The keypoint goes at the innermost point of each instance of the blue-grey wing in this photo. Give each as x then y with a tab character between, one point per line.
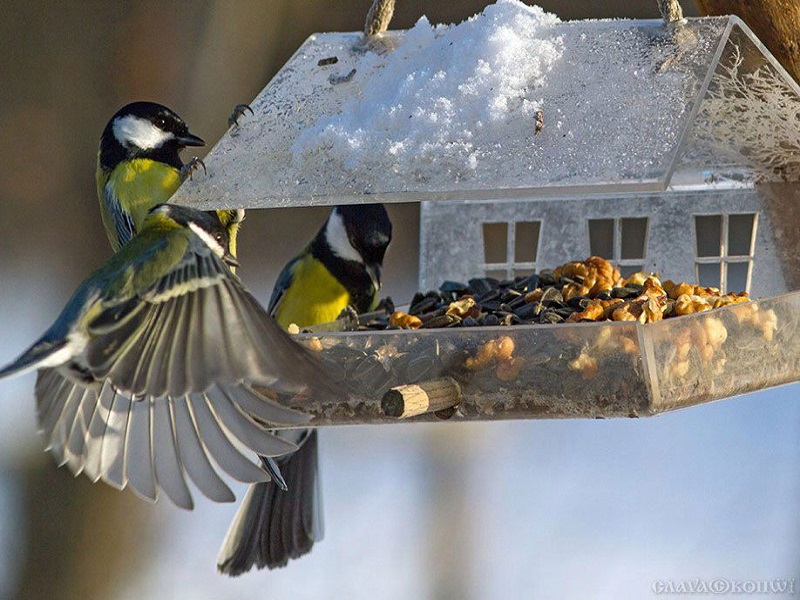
123	221
282	284
149	444
194	327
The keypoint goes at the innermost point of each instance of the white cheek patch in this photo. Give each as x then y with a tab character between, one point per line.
208	239
336	234
141	133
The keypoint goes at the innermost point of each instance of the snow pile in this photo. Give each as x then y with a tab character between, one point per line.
443	85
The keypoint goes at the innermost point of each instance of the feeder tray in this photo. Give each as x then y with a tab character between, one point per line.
594	370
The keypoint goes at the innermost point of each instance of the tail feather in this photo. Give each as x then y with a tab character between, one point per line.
274	525
44	353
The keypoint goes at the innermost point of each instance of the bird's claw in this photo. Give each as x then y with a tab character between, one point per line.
189	168
349	318
237	112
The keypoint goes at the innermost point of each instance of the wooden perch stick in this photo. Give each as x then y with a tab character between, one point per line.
405	401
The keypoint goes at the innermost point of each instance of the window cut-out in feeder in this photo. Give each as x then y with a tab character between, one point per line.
510	249
623	241
513	118
725	246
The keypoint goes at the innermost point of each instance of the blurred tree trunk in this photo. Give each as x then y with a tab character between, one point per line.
83	541
782	203
775	22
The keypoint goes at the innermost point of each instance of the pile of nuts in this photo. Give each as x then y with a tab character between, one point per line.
590	290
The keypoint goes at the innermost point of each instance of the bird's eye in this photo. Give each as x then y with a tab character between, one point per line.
161	122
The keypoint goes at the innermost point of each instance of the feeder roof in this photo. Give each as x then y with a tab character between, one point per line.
451	112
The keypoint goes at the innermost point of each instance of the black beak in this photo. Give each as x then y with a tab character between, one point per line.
230	260
189	139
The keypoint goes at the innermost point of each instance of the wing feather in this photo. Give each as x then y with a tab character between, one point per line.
193	455
220	448
176	363
158	372
75	451
112	457
57	438
166	458
122	219
57	401
264	408
96	433
244	428
143	353
119	349
139	451
282	284
50	391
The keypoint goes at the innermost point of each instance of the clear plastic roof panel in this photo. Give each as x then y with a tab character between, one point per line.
510	103
746	125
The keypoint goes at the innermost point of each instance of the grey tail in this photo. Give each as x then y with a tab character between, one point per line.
274	525
32	358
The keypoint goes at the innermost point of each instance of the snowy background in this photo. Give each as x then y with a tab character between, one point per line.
562	509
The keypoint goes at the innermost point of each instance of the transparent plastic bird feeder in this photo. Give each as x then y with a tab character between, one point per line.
666	148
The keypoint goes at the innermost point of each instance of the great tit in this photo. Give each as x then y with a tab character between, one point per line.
340	268
150	369
139	165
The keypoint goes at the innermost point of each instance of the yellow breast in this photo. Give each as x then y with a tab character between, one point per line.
138	185
314	296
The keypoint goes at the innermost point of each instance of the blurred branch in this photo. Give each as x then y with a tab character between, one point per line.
670	10
379	17
775	22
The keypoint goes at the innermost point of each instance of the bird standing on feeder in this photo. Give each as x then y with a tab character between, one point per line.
148	371
139	165
340	268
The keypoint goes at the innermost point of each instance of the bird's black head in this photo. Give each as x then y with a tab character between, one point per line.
145	130
367	230
205	225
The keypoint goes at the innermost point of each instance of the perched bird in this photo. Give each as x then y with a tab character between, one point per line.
139	165
149	371
340	268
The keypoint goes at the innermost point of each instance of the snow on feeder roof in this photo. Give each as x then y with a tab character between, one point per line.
510	103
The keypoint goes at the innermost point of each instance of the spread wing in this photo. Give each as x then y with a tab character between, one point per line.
151	443
189	328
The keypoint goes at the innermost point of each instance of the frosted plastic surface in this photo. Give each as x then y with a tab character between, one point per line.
617	98
576	370
746	126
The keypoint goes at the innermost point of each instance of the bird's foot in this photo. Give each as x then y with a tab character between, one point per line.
189	168
349	318
238	111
